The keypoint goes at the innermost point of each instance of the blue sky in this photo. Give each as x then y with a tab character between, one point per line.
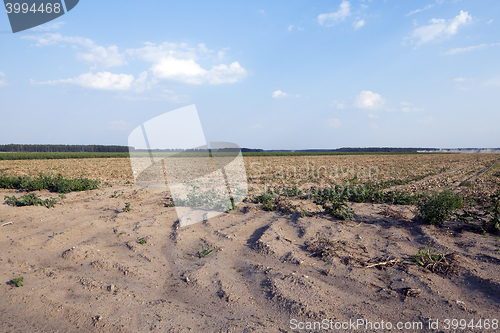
262	74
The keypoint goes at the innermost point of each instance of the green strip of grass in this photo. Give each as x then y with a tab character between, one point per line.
59	156
57	184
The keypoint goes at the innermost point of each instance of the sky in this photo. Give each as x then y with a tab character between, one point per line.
262	74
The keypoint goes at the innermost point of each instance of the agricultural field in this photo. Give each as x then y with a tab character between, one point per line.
405	238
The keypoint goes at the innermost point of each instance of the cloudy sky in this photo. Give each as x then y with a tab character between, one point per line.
262	74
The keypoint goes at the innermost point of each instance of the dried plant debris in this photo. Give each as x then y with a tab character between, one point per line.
346	251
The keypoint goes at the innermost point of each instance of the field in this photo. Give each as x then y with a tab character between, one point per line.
114	259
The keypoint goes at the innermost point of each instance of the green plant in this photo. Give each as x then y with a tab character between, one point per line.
487	225
127	207
57	184
305	213
29	200
209	199
142	241
267	199
428	256
62	196
17	282
205	252
335	203
115	194
438	207
339	209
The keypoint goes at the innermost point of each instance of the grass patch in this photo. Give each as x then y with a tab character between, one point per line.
29	200
57	184
59	156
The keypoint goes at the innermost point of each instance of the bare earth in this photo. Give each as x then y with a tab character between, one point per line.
90	267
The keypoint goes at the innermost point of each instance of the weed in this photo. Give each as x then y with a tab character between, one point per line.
127	207
439	207
29	200
62	196
57	184
487	225
335	203
428	256
438	263
205	252
267	199
209	199
142	241
115	194
305	213
17	282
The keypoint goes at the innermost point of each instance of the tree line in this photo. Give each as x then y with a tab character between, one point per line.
46	148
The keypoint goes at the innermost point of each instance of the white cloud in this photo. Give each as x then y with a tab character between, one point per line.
420	10
154	53
257	126
369	100
358	24
101	81
178	62
440	28
96	55
49	26
338	105
281	94
333	122
374	126
222	54
142	83
102	57
119	125
489	22
459	79
290	27
372	116
203	48
467	49
3	80
408	109
333	18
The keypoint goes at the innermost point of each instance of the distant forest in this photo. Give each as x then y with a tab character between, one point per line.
13	148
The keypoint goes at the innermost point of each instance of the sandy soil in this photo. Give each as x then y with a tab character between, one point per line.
90	267
85	268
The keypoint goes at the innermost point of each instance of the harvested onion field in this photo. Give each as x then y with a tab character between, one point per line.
90	265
